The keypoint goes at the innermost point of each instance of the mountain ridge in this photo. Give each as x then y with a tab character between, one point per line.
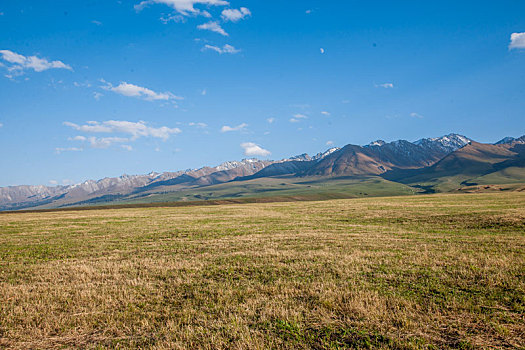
374	159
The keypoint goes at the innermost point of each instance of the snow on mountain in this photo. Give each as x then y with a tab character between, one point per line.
448	143
377	143
509	140
321	155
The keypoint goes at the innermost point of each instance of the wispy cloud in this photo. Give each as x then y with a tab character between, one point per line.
225	49
135	129
325	113
517	41
105	142
329	143
235	15
270	120
385	85
20	62
198	125
252	149
239	127
297	118
184	7
214	27
132	90
60	150
416	115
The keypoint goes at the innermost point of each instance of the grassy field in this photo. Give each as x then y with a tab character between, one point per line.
412	272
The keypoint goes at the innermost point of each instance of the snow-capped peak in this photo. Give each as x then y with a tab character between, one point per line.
450	142
377	143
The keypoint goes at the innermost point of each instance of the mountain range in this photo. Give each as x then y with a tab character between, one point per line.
447	163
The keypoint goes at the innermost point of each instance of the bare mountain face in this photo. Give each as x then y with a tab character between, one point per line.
476	163
19	197
395	161
379	157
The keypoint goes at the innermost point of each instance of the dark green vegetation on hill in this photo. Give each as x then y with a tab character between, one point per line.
413	272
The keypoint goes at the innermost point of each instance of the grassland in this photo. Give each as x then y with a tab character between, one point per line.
412	272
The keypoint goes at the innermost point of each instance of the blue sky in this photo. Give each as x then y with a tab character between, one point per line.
90	89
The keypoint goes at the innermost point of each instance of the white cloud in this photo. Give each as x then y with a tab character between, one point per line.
77	138
53	182
132	90
329	143
416	115
225	49
172	17
204	92
297	118
20	62
127	147
1	125
386	85
97	95
105	142
184	7
212	26
517	41
136	130
270	120
325	113
235	15
59	150
239	127
252	149
308	12
322	50
98	23
198	125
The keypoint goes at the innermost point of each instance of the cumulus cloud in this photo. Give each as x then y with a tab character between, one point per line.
297	118
20	62
517	41
135	129
225	49
252	149
213	26
239	127
322	50
235	15
184	7
132	90
386	85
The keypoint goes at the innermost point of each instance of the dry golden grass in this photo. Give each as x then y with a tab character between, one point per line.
429	272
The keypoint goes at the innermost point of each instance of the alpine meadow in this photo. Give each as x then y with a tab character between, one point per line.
240	174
